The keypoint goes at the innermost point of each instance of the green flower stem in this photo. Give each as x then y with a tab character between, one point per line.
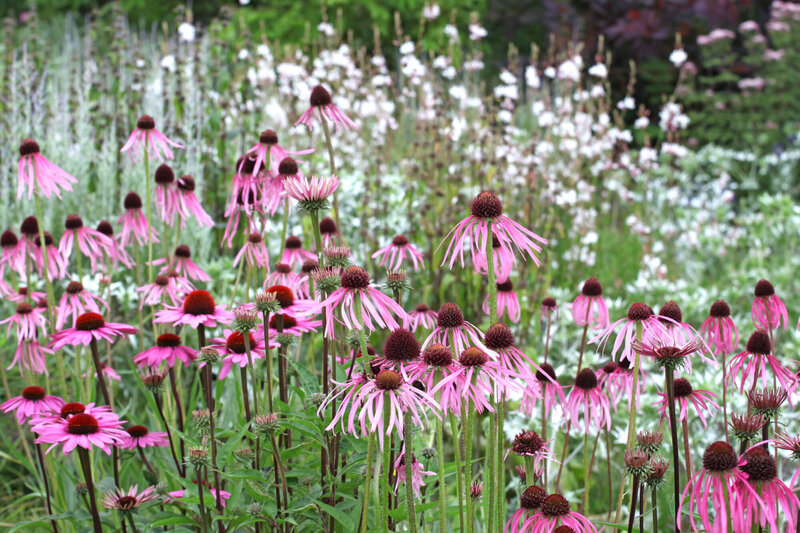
586	467
148	209
173	381
265	316
329	145
459	471
632	417
285	227
669	375
468	418
409	456
440	457
726	497
86	466
530	475
491	274
202	504
368	479
387	465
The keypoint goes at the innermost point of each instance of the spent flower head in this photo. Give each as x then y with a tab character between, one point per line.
745	426
767	402
244	319
397	280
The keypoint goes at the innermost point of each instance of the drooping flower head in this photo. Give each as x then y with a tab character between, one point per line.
685	395
27	319
768	311
544	387
400	349
146	139
90	242
450	324
294	253
589	308
437	363
639	315
76	301
395	254
590	400
254	251
113	253
198	308
479	379
776	501
500	340
474	232
422	316
547	311
529	502
718	329
507	301
746	367
134	222
32	402
89	326
182	263
292	325
13	255
36	174
417	480
56	263
188	203
268	153
30	355
322	103
285	276
328	231
720	475
530	444
555	512
361	305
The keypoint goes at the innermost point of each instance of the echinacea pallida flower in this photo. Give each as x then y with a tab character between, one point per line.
529	502
187	203
507	301
590	400
145	138
450	324
182	263
555	512
36	174
777	501
422	316
589	308
746	367
638	313
32	402
474	231
768	311
134	222
395	254
76	301
283	275
356	294
294	253
685	395
530	444
417	473
90	242
254	252
28	320
718	330
268	153
321	101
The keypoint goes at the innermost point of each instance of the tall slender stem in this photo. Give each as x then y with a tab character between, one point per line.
725	399
409	459
367	490
86	466
210	404
608	470
46	486
673	427
269	363
387	464
547	338
491	274
179	409
586	468
148	209
634	495
655	510
467	418
181	470
326	130
687	450
98	368
459	472
440	458
202	504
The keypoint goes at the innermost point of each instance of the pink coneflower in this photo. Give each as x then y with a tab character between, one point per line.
269	149
31	403
145	138
507	301
293	325
90	242
680	332
272	187
423	316
254	251
363	399
718	329
165	194
232	348
113	252
198	308
156	292
450	325
245	186
311	193
188	204
289	305
777	500
684	394
474	230
720	475
76	301
294	253
134	222
545	388
372	306
32	356
178	494
183	264
437	358
13	255
503	260
479	378
652	329
529	502
108	373
396	253
23	295
168	349
530	444
27	319
321	100
36	173
56	263
140	437
666	353
328	231
548	311
752	364
587	398
123	501
285	276
101	429
768	310
233	214
417	481
555	513
29	229
589	308
89	326
500	340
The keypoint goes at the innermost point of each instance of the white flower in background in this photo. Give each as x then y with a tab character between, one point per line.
532	77
449	72
326	28
671	117
678	57
641	123
168	62
598	70
598	91
244	2
458	92
569	70
407	48
626	103
451	31
431	12
506	91
674	149
243	54
477	32
508	78
504	116
473	65
186	32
